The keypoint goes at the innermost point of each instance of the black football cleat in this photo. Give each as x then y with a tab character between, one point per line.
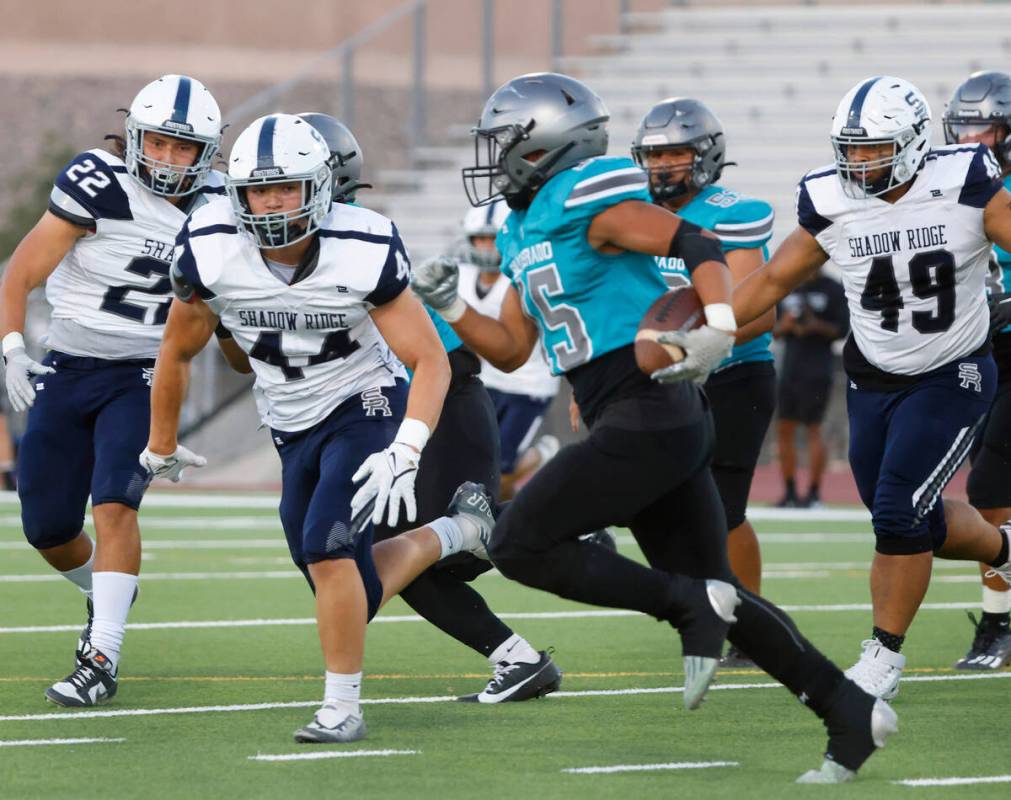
93	682
519	681
991	646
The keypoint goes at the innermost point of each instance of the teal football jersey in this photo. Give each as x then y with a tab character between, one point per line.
741	223
1004	261
585	303
446	334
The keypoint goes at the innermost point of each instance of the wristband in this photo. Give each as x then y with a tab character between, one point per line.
453	311
721	316
13	341
414	433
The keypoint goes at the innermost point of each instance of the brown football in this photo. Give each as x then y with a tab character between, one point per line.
677	310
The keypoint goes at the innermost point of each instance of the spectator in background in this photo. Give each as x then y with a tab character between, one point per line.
809	320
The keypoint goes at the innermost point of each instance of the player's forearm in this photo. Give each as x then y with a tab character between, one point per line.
756	327
171	379
14	296
712	281
491	340
429	385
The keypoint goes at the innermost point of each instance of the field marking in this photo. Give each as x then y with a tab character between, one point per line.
330	754
399	618
37	742
149	712
170	576
179	523
649	767
954	781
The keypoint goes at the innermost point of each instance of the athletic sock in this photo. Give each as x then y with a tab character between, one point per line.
997	620
771	639
112	596
1002	555
791	488
343	691
81	576
995	602
514	650
449	533
814	493
890	640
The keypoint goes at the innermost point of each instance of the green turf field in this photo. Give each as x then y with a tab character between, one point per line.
222	664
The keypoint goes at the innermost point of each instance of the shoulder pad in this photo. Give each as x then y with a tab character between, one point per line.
88	189
184	275
396	272
741	222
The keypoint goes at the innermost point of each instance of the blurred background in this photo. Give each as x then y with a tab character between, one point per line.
410	78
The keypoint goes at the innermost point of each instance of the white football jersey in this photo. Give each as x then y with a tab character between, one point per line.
534	378
914	271
312	343
111	293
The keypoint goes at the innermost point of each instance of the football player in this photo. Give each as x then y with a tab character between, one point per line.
980	111
682	147
464	447
104	248
579	249
313	293
910	229
521	397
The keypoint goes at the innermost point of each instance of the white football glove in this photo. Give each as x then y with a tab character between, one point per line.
20	387
435	281
390	473
170	466
704	348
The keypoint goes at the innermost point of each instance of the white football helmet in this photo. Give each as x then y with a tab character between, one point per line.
880	111
483	221
280	148
173	105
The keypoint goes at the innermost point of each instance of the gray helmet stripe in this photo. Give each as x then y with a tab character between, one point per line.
182	102
265	144
857	106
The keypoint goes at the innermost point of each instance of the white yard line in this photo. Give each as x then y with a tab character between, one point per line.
955	781
38	742
148	712
331	754
391	618
649	767
181	523
170	576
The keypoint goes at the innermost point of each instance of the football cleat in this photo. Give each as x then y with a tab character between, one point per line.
331	725
735	659
991	646
513	682
472	502
858	725
93	682
603	537
703	631
878	670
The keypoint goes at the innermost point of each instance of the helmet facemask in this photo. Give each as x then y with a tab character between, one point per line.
161	177
897	168
958	128
663	188
283	228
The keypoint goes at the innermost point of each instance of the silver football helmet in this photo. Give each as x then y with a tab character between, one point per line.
532	128
980	103
675	123
346	159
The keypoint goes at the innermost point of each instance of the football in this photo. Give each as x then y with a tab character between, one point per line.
676	310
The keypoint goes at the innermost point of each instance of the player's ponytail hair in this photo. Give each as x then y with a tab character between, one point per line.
117	144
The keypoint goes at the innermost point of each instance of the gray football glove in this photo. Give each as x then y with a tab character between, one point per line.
170	466
704	348
19	377
435	281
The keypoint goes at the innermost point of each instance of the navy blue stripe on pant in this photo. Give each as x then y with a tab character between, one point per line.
906	445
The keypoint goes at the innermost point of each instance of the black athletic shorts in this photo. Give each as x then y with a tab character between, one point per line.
742	399
989	484
803	401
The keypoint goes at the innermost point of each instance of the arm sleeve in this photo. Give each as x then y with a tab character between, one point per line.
87	190
395	275
982	179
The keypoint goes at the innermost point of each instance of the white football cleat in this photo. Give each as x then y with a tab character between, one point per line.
878	671
331	725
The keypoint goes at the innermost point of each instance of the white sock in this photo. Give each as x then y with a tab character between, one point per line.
112	596
343	691
449	533
81	576
513	650
995	602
